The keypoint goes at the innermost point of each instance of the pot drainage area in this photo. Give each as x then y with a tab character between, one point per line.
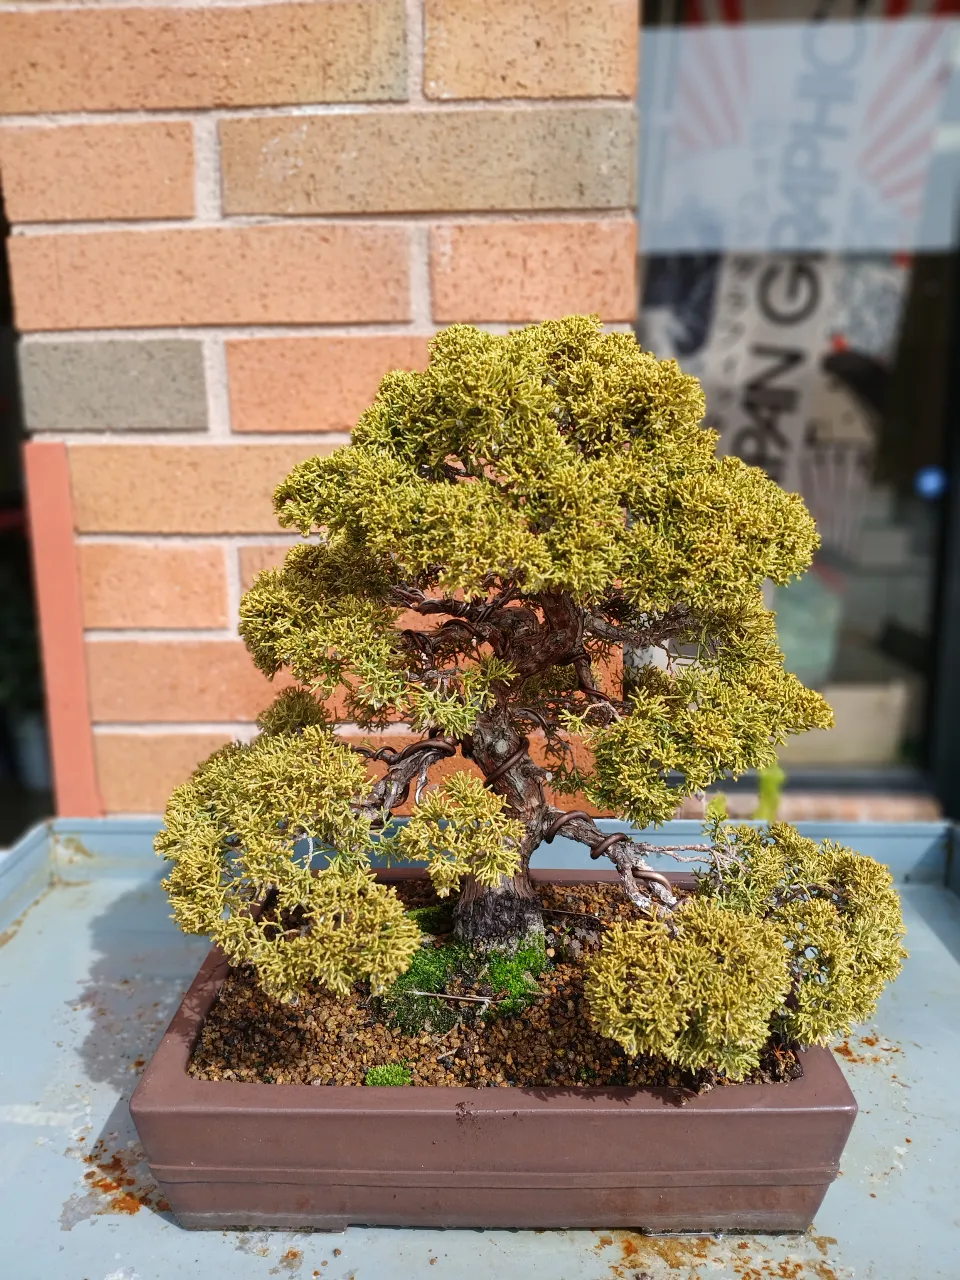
92	969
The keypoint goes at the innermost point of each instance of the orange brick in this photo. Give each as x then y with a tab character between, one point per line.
312	384
211	275
175	680
522	271
127	585
106	59
75	172
137	771
253	560
530	48
180	488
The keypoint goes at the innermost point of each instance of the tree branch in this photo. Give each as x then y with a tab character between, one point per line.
626	855
645	635
413	762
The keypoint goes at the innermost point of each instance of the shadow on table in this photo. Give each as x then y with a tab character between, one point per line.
142	966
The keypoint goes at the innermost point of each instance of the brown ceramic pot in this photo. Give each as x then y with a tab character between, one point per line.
749	1158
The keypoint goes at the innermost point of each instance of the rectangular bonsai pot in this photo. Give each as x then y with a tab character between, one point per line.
750	1158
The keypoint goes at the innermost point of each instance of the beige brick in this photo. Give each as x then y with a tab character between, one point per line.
826	806
180	488
531	48
76	172
312	384
137	771
128	585
106	59
549	158
165	681
211	275
523	271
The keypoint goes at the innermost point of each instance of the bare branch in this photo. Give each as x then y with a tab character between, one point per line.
403	767
626	855
652	631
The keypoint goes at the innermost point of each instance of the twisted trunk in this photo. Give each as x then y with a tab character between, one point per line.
509	914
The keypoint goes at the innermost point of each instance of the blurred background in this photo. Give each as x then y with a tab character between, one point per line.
797	169
798	222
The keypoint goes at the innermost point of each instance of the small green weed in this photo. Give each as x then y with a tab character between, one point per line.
770	788
391	1073
717	807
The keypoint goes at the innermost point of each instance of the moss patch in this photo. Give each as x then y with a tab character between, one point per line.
391	1073
433	920
460	984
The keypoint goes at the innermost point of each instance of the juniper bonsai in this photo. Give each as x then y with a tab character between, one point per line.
501	529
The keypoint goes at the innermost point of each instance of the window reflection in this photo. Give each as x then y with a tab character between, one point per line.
798	220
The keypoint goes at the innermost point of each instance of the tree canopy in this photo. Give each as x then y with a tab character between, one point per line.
502	527
552	494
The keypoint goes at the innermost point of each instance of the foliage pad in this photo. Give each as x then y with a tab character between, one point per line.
699	991
783	938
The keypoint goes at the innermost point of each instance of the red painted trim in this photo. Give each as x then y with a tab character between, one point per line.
57	579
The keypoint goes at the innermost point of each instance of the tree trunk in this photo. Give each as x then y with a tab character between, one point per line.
506	917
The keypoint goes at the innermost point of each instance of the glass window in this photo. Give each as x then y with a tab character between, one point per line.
798	226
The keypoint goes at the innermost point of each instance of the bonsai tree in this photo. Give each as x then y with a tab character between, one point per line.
501	529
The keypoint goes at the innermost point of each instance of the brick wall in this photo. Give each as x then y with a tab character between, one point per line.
228	221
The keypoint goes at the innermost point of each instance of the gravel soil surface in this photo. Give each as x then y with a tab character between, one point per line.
327	1040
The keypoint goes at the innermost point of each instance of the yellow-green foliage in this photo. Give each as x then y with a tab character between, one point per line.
565	429
788	939
727	713
556	459
699	991
244	827
837	912
560	475
460	829
293	709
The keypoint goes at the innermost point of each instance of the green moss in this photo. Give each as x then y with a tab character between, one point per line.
512	975
392	1073
436	920
508	977
430	970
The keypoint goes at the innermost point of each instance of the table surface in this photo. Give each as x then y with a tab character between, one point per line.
92	972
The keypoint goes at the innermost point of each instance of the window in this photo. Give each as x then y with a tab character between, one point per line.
798	228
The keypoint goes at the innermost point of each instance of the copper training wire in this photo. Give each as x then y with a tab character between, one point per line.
510	761
562	821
